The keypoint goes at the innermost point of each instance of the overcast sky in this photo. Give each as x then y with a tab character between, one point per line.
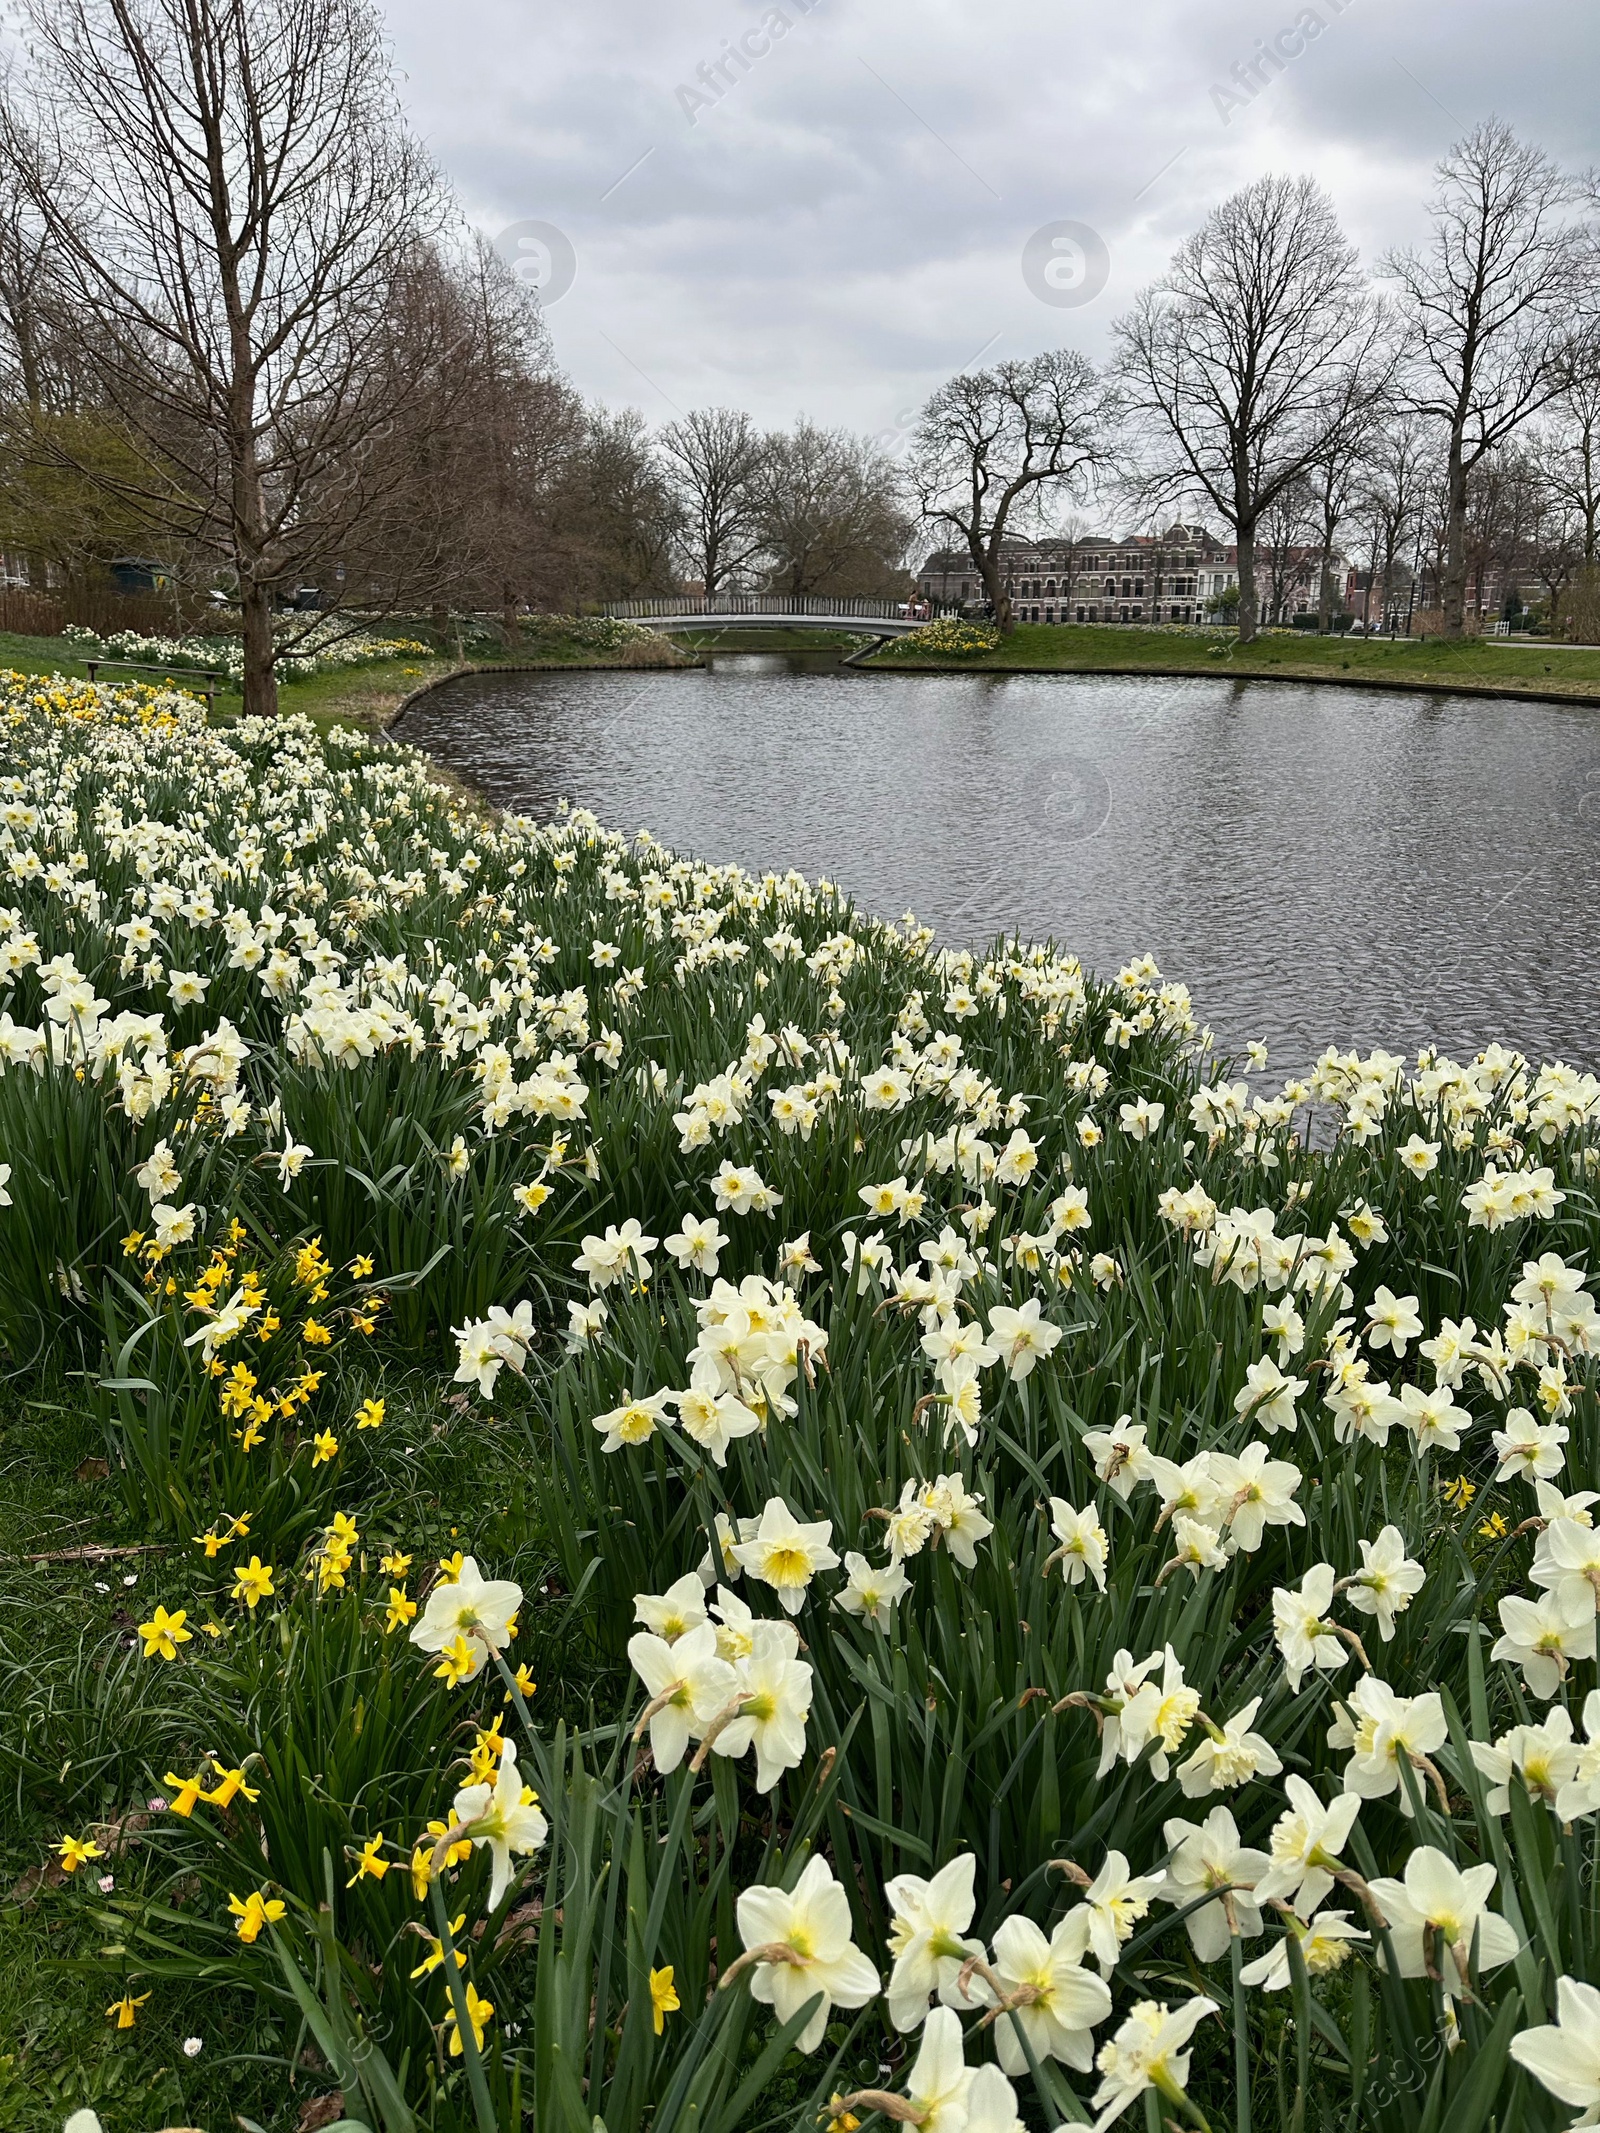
846	224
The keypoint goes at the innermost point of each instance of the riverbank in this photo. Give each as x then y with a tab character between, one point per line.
307	1599
372	697
1475	665
369	697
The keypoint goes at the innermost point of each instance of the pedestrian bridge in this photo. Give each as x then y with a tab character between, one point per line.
881	619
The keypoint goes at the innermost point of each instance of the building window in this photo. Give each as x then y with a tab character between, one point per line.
1080	614
1122	614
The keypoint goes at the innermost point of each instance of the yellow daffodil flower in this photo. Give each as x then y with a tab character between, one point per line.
479	2013
435	1956
163	1633
252	1582
188	1791
254	1912
371	1862
230	1784
663	1997
458	1662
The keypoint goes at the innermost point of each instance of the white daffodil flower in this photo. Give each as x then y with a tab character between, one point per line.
481	1610
928	1938
504	1816
803	1935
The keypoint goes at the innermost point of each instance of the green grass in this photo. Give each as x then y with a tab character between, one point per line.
39	655
1470	663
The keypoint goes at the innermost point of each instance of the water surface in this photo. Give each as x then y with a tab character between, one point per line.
1318	864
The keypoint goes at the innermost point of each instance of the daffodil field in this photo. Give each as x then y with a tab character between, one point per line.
1070	1580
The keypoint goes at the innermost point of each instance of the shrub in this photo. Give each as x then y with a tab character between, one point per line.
953	638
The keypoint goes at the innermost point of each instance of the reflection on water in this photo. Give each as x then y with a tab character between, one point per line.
1318	864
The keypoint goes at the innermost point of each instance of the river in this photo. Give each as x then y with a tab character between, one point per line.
1319	864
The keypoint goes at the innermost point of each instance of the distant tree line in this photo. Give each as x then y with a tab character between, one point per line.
1441	418
244	331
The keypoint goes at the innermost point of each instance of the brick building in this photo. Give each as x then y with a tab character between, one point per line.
1140	577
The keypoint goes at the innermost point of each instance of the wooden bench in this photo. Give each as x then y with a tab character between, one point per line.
178	675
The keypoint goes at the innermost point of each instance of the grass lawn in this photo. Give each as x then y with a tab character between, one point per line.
1471	663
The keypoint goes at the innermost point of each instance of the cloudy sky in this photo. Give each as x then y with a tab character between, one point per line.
846	220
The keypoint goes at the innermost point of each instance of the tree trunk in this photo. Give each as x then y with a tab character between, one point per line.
260	675
510	627
249	530
1246	552
999	599
1453	592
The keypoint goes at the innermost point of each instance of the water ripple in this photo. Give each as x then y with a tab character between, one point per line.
1318	864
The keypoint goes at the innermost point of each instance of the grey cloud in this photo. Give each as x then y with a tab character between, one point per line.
844	225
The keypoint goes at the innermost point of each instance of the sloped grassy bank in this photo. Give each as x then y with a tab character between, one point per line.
1023	1588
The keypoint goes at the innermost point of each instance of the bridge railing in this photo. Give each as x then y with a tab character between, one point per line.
715	604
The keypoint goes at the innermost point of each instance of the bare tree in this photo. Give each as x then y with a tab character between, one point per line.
712	462
35	347
994	448
833	519
1336	482
1284	526
468	465
613	507
1487	313
245	198
1506	503
1394	472
1554	544
530	424
1569	446
1258	351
